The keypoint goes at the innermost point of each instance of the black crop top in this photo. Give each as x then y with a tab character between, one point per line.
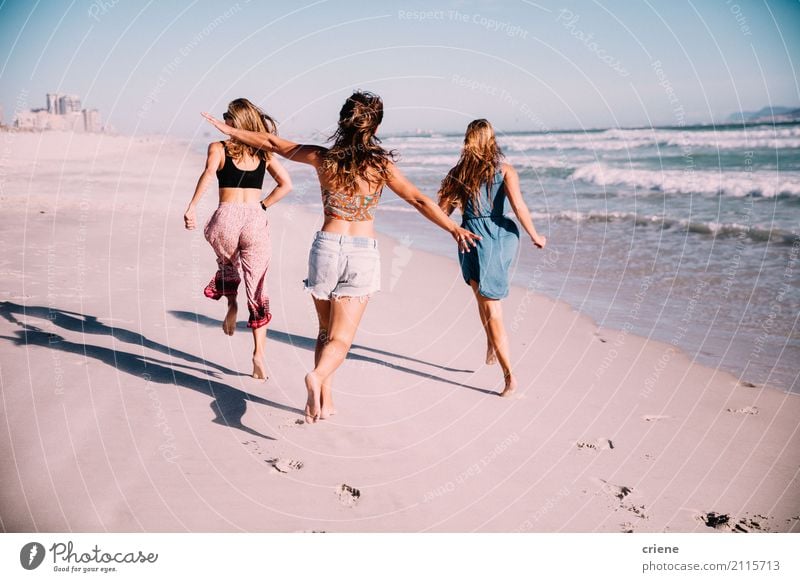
232	177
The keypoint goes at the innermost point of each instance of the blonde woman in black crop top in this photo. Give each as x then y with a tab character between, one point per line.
238	230
344	263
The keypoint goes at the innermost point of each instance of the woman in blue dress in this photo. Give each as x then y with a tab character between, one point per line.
479	185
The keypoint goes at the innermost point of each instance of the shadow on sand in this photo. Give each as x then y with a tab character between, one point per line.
308	343
229	404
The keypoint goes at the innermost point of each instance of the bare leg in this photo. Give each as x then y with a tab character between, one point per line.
255	252
229	323
491	357
323	308
346	314
493	314
259	342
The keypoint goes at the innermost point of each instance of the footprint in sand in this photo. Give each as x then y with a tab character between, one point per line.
347	495
724	522
595	445
748	524
620	493
253	446
292	423
655	417
637	510
744	410
285	465
256	451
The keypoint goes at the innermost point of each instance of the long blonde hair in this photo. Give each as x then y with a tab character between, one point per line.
356	153
245	115
480	158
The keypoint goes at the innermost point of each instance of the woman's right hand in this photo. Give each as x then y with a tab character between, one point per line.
539	241
189	221
220	125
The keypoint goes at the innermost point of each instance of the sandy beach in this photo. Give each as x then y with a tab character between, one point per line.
126	409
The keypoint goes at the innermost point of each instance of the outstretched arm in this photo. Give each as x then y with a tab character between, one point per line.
283	183
520	208
305	154
401	186
215	155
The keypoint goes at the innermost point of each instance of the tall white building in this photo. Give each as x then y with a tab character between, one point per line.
69	104
52	103
91	121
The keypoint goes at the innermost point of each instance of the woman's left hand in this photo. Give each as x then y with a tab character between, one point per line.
189	220
220	125
465	239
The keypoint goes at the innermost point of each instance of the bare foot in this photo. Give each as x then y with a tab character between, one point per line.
313	402
259	373
229	323
511	385
326	398
491	356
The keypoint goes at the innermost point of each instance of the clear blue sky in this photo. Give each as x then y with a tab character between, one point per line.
153	66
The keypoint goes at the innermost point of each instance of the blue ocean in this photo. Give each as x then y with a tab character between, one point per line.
687	235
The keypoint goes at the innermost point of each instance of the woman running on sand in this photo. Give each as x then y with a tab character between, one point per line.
238	230
478	185
344	263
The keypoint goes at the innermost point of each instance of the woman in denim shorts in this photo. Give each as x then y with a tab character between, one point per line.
344	263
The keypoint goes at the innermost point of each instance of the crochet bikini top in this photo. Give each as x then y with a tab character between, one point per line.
350	207
230	176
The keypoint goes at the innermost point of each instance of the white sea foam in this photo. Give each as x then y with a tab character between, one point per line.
519	161
759	137
748	138
567	150
428	160
732	183
761	232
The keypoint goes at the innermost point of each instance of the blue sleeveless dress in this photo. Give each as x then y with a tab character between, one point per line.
488	264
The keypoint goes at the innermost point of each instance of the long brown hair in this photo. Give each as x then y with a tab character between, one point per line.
356	153
480	158
245	115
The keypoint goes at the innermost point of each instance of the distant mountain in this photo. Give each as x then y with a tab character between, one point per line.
766	115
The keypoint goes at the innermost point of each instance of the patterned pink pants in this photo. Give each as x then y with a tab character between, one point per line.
239	235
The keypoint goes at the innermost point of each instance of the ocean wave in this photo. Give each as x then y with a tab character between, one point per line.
733	183
756	233
759	137
686	140
428	160
424	144
749	138
518	161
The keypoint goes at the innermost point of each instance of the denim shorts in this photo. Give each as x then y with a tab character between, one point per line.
343	266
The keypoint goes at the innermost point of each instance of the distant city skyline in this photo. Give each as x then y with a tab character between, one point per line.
151	68
61	112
